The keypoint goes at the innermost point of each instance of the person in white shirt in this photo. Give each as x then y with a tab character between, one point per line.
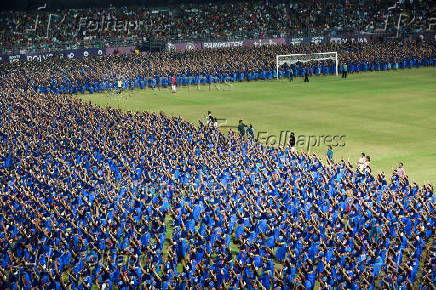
400	170
367	165
361	163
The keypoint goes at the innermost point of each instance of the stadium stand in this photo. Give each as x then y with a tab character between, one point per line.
45	29
96	197
207	66
88	195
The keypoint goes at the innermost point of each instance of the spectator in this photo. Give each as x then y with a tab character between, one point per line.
250	132
367	165
210	119
361	163
400	171
330	154
292	141
241	128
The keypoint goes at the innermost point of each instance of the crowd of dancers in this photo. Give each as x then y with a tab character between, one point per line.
47	28
226	65
96	197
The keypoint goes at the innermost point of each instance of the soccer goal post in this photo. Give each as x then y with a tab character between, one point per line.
303	58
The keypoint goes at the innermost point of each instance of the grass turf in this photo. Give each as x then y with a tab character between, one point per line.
390	116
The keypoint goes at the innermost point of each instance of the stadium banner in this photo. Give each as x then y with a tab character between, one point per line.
298	40
362	38
367	37
183	46
322	39
272	41
120	50
69	53
225	44
11	58
263	42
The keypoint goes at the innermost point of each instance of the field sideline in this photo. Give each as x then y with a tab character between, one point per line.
391	115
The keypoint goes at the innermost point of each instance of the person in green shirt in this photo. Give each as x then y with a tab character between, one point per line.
344	71
241	128
330	153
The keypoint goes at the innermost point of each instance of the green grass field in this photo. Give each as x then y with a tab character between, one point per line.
390	116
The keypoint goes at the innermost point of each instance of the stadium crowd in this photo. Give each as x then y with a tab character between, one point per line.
208	66
225	19
94	196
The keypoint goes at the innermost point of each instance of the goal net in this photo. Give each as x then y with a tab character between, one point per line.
291	59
